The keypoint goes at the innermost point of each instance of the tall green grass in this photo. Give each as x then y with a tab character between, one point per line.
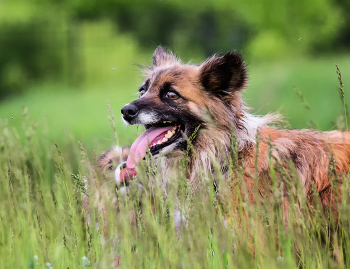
56	211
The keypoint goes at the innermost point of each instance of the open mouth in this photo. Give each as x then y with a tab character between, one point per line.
165	138
156	137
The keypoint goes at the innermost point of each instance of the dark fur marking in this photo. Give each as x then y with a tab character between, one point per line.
147	83
103	156
224	75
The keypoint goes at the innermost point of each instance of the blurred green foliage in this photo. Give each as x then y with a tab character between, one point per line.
46	40
64	59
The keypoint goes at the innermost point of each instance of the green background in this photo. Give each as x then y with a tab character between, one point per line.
63	59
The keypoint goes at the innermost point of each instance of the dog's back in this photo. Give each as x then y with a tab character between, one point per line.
318	158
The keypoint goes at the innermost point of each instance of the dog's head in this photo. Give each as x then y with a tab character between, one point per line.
176	98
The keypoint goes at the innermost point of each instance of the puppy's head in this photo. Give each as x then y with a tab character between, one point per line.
174	99
111	164
111	159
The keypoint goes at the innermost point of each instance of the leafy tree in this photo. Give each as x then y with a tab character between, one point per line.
41	40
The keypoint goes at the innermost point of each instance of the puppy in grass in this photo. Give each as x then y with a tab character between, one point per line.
111	163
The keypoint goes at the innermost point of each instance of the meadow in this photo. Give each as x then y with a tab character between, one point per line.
60	61
49	142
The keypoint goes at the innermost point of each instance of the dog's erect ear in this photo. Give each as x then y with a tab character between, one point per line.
224	75
161	57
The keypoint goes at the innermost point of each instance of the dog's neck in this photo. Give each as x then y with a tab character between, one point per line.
212	149
246	136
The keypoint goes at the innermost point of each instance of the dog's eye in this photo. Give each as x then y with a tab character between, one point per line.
142	92
172	95
110	168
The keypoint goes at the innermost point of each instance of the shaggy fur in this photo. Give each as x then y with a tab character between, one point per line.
109	160
210	96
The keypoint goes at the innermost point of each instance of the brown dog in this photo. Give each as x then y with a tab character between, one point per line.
204	103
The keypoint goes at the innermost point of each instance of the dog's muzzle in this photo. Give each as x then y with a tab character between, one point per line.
129	112
123	175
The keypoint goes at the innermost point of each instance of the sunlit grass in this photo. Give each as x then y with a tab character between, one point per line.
46	221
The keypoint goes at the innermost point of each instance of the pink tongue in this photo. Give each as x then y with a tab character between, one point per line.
139	147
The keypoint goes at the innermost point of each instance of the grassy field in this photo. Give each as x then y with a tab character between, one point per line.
46	223
42	217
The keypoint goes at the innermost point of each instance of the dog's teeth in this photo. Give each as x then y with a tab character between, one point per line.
164	139
169	134
167	121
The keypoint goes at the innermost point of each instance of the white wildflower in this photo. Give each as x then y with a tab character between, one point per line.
86	262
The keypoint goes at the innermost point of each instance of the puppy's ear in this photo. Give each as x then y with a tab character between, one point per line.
161	57
224	75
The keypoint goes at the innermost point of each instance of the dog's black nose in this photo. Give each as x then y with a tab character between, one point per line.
129	112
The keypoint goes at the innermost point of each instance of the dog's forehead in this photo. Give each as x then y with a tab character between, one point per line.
180	76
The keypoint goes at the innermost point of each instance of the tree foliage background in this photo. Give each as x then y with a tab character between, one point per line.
63	59
46	39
